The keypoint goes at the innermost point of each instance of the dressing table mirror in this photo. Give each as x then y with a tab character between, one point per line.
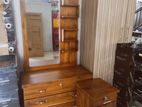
50	35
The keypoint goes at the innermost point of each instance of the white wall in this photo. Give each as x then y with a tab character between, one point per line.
19	38
46	10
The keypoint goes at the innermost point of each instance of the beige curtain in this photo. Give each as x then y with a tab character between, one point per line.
106	23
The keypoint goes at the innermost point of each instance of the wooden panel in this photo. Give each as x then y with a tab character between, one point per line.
53	101
50	88
68	46
71	104
69	24
69	11
70	35
70	2
69	31
42	76
69	57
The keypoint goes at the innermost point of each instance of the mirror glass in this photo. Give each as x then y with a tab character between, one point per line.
43	32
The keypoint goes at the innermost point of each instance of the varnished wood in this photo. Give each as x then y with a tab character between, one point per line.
69	12
50	88
48	67
52	101
69	27
70	2
92	93
42	76
40	86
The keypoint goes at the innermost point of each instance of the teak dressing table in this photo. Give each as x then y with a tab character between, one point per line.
54	84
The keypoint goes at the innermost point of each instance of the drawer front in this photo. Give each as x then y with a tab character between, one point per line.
52	101
105	100
69	11
71	104
72	45
50	88
69	23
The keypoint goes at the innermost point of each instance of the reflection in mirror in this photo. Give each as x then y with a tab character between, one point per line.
43	31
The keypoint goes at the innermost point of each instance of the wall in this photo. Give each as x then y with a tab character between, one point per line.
88	22
104	24
46	10
18	26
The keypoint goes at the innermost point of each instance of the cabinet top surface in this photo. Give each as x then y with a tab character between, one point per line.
37	77
96	88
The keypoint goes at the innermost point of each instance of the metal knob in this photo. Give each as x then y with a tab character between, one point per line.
61	85
42	91
105	98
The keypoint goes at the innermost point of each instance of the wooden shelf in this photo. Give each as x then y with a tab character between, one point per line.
70	5
72	17
70	29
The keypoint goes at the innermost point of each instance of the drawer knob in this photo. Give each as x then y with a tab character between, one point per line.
41	102
106	98
61	85
42	91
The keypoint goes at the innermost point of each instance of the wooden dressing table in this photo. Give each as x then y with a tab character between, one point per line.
53	88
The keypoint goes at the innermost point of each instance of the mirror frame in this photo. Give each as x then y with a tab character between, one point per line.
25	46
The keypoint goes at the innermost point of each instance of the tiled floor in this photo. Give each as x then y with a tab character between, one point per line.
48	59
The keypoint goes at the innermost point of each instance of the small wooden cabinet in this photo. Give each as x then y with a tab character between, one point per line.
96	93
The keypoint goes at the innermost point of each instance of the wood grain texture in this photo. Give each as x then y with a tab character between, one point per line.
104	24
53	88
65	99
96	93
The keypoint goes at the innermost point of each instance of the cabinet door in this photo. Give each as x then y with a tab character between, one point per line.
68	32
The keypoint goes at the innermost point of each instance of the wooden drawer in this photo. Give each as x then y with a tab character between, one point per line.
50	88
69	23
70	2
96	93
71	45
105	100
59	100
83	99
69	12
